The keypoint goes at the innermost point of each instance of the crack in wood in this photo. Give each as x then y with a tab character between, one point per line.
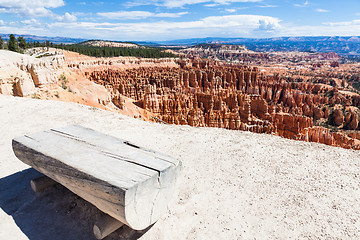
131	145
104	170
130	161
30	138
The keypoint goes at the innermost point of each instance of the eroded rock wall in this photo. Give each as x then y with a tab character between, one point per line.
21	74
206	93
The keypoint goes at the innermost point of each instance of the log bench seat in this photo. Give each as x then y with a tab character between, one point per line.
129	183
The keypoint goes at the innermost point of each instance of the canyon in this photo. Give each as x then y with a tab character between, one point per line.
209	94
239	54
292	102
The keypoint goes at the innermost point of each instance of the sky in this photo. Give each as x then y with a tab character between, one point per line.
156	20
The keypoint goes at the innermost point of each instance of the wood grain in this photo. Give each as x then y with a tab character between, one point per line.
128	182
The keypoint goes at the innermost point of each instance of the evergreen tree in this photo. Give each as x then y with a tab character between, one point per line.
1	43
47	44
12	44
22	42
115	51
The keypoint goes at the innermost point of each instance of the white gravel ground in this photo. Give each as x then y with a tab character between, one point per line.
235	185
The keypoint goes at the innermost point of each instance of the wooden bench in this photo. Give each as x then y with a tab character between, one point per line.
131	184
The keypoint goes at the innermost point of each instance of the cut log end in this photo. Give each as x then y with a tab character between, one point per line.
105	226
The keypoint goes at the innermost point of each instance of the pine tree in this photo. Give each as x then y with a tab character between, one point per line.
12	44
1	43
22	42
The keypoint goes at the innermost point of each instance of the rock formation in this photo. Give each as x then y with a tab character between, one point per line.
195	92
20	74
240	54
213	94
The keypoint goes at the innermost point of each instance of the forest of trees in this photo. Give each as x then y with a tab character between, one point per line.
115	51
20	44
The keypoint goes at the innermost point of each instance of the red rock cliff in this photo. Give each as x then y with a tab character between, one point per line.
213	94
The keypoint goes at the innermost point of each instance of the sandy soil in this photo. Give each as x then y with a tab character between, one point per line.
235	185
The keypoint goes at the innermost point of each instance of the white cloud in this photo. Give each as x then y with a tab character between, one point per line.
34	9
38	8
268	25
211	5
222	26
67	17
13	27
305	4
348	23
30	22
267	6
138	14
177	3
141	3
349	28
320	10
170	15
82	14
233	10
234	1
230	10
213	26
182	3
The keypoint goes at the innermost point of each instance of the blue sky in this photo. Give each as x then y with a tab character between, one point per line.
146	20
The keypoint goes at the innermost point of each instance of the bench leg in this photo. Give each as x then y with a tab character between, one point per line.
106	225
41	183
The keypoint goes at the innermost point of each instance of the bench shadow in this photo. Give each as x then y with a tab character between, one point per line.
55	214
